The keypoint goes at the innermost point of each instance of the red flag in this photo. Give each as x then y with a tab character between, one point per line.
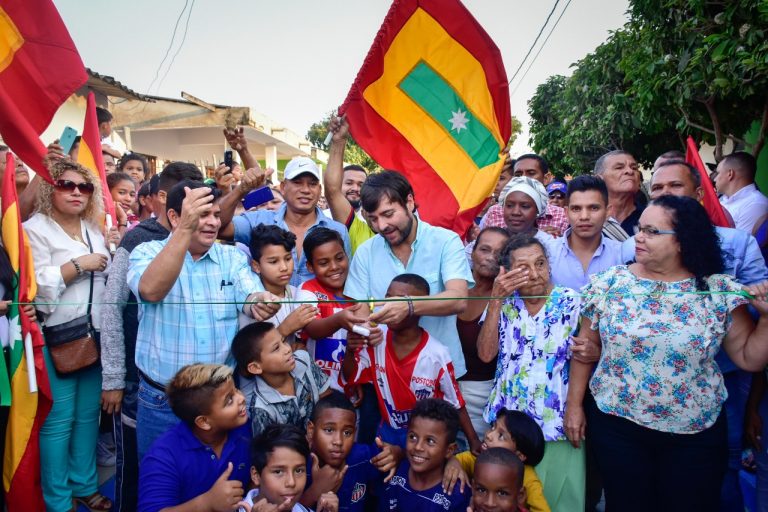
30	388
715	210
39	69
89	154
432	101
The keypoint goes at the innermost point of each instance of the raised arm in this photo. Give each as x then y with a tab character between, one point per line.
161	274
334	173
745	342
253	178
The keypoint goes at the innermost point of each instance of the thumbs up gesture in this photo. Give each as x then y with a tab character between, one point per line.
225	494
388	459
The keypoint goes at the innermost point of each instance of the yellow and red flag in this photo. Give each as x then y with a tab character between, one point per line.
715	210
89	154
39	69
432	102
29	386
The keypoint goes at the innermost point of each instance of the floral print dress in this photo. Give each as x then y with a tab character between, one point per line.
532	367
657	366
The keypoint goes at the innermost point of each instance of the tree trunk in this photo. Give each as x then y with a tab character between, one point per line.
760	141
710	104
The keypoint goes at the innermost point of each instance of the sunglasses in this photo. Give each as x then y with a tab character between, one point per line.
70	186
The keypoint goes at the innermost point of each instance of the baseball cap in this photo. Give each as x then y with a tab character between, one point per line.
301	165
557	186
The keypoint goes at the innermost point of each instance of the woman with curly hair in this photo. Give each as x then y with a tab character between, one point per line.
71	258
656	422
135	166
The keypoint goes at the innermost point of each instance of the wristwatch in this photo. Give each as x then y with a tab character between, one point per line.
78	268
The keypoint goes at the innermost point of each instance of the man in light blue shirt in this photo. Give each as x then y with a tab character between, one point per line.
189	302
583	250
299	215
407	244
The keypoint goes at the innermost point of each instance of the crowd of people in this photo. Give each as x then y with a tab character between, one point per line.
585	341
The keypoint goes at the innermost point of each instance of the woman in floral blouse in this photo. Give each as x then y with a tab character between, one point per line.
656	421
531	331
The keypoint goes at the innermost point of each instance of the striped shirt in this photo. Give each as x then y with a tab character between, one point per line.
197	319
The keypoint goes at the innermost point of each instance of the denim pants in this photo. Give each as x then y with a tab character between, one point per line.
68	437
126	461
154	416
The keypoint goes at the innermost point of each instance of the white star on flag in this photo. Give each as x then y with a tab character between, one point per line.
458	121
15	328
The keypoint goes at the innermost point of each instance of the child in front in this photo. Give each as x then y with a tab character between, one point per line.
201	463
497	482
279	473
410	365
418	482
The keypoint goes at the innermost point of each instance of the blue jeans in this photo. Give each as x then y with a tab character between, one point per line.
126	461
154	417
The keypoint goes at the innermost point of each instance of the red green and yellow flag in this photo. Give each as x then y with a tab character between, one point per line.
29	385
89	153
39	69
432	101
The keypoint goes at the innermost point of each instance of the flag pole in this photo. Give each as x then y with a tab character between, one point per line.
30	356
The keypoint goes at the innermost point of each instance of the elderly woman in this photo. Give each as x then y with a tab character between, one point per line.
656	422
70	256
531	332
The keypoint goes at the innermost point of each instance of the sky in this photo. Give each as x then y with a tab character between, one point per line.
294	60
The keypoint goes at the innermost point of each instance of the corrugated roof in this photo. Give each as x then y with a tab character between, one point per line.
110	87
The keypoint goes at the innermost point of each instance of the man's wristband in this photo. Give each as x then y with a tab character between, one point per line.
77	266
410	305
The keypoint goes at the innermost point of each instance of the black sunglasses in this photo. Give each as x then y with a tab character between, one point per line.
70	186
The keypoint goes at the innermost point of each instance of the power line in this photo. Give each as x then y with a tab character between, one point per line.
178	50
522	78
535	41
168	51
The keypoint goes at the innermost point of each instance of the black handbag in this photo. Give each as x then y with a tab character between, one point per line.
73	345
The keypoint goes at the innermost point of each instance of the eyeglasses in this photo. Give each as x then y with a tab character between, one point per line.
651	231
70	186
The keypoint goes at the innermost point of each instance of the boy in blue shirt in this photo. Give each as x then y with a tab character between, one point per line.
279	472
497	481
339	464
202	462
430	442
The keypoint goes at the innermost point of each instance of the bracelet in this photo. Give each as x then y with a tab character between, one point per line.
78	268
410	305
122	225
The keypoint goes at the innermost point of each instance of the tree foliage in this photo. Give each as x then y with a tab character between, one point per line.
677	67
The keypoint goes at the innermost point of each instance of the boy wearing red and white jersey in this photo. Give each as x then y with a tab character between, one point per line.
409	366
326	335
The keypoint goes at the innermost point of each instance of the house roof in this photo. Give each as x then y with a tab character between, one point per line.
108	86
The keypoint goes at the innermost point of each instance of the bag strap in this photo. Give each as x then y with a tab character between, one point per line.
90	292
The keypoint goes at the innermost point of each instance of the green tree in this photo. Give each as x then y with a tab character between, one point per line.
353	154
678	67
517	129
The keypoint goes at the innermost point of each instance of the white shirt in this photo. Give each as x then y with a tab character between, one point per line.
52	247
747	207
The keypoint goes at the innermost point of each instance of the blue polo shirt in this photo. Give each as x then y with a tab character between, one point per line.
566	266
179	467
360	480
437	256
245	223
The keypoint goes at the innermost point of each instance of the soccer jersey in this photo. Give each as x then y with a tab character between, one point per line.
427	372
360	480
399	495
327	352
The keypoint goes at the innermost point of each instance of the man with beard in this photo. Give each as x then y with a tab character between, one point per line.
407	244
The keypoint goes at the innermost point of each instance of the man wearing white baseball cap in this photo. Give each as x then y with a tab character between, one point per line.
299	214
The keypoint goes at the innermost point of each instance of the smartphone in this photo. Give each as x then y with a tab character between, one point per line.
67	139
228	161
257	197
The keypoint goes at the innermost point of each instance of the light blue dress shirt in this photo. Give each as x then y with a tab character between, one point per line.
197	319
437	255
245	223
566	267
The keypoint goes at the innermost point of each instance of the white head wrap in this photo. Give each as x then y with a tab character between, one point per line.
530	187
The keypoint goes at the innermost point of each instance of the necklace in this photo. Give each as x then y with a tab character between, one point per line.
76	236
